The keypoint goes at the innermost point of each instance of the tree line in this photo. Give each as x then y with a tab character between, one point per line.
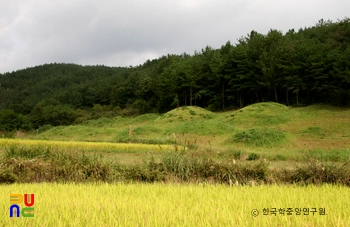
301	67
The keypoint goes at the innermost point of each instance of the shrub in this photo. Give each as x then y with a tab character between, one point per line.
40	165
7	177
316	172
149	171
253	156
141	106
44	128
192	112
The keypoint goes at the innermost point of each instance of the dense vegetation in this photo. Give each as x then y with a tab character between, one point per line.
30	164
307	66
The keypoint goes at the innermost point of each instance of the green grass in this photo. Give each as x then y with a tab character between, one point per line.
185	113
334	155
272	130
313	130
261	114
259	137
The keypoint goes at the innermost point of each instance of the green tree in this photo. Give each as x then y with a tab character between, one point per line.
269	61
58	115
9	121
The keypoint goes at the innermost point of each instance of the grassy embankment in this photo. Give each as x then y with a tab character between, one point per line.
270	130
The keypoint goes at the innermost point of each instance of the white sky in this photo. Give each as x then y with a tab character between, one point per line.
128	32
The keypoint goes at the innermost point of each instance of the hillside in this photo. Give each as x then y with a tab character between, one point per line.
75	85
270	129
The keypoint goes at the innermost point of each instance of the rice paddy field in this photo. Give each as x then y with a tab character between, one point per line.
102	204
84	146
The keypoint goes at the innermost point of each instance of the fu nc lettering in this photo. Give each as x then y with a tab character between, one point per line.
17	209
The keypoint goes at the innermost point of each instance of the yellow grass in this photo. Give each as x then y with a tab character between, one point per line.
175	205
85	146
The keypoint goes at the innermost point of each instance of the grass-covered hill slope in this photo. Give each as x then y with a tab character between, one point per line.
266	128
261	114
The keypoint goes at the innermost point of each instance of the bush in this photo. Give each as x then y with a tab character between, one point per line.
42	165
150	171
7	177
44	128
141	106
316	172
253	156
185	167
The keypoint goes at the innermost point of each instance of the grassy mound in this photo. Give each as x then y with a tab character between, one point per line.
262	114
264	106
185	113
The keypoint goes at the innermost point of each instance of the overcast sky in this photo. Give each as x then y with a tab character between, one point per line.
128	32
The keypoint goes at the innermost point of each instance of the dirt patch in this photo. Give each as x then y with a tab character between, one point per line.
327	144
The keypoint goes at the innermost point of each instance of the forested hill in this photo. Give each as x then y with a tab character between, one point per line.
307	66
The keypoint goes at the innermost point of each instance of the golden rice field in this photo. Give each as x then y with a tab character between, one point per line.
177	205
85	146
